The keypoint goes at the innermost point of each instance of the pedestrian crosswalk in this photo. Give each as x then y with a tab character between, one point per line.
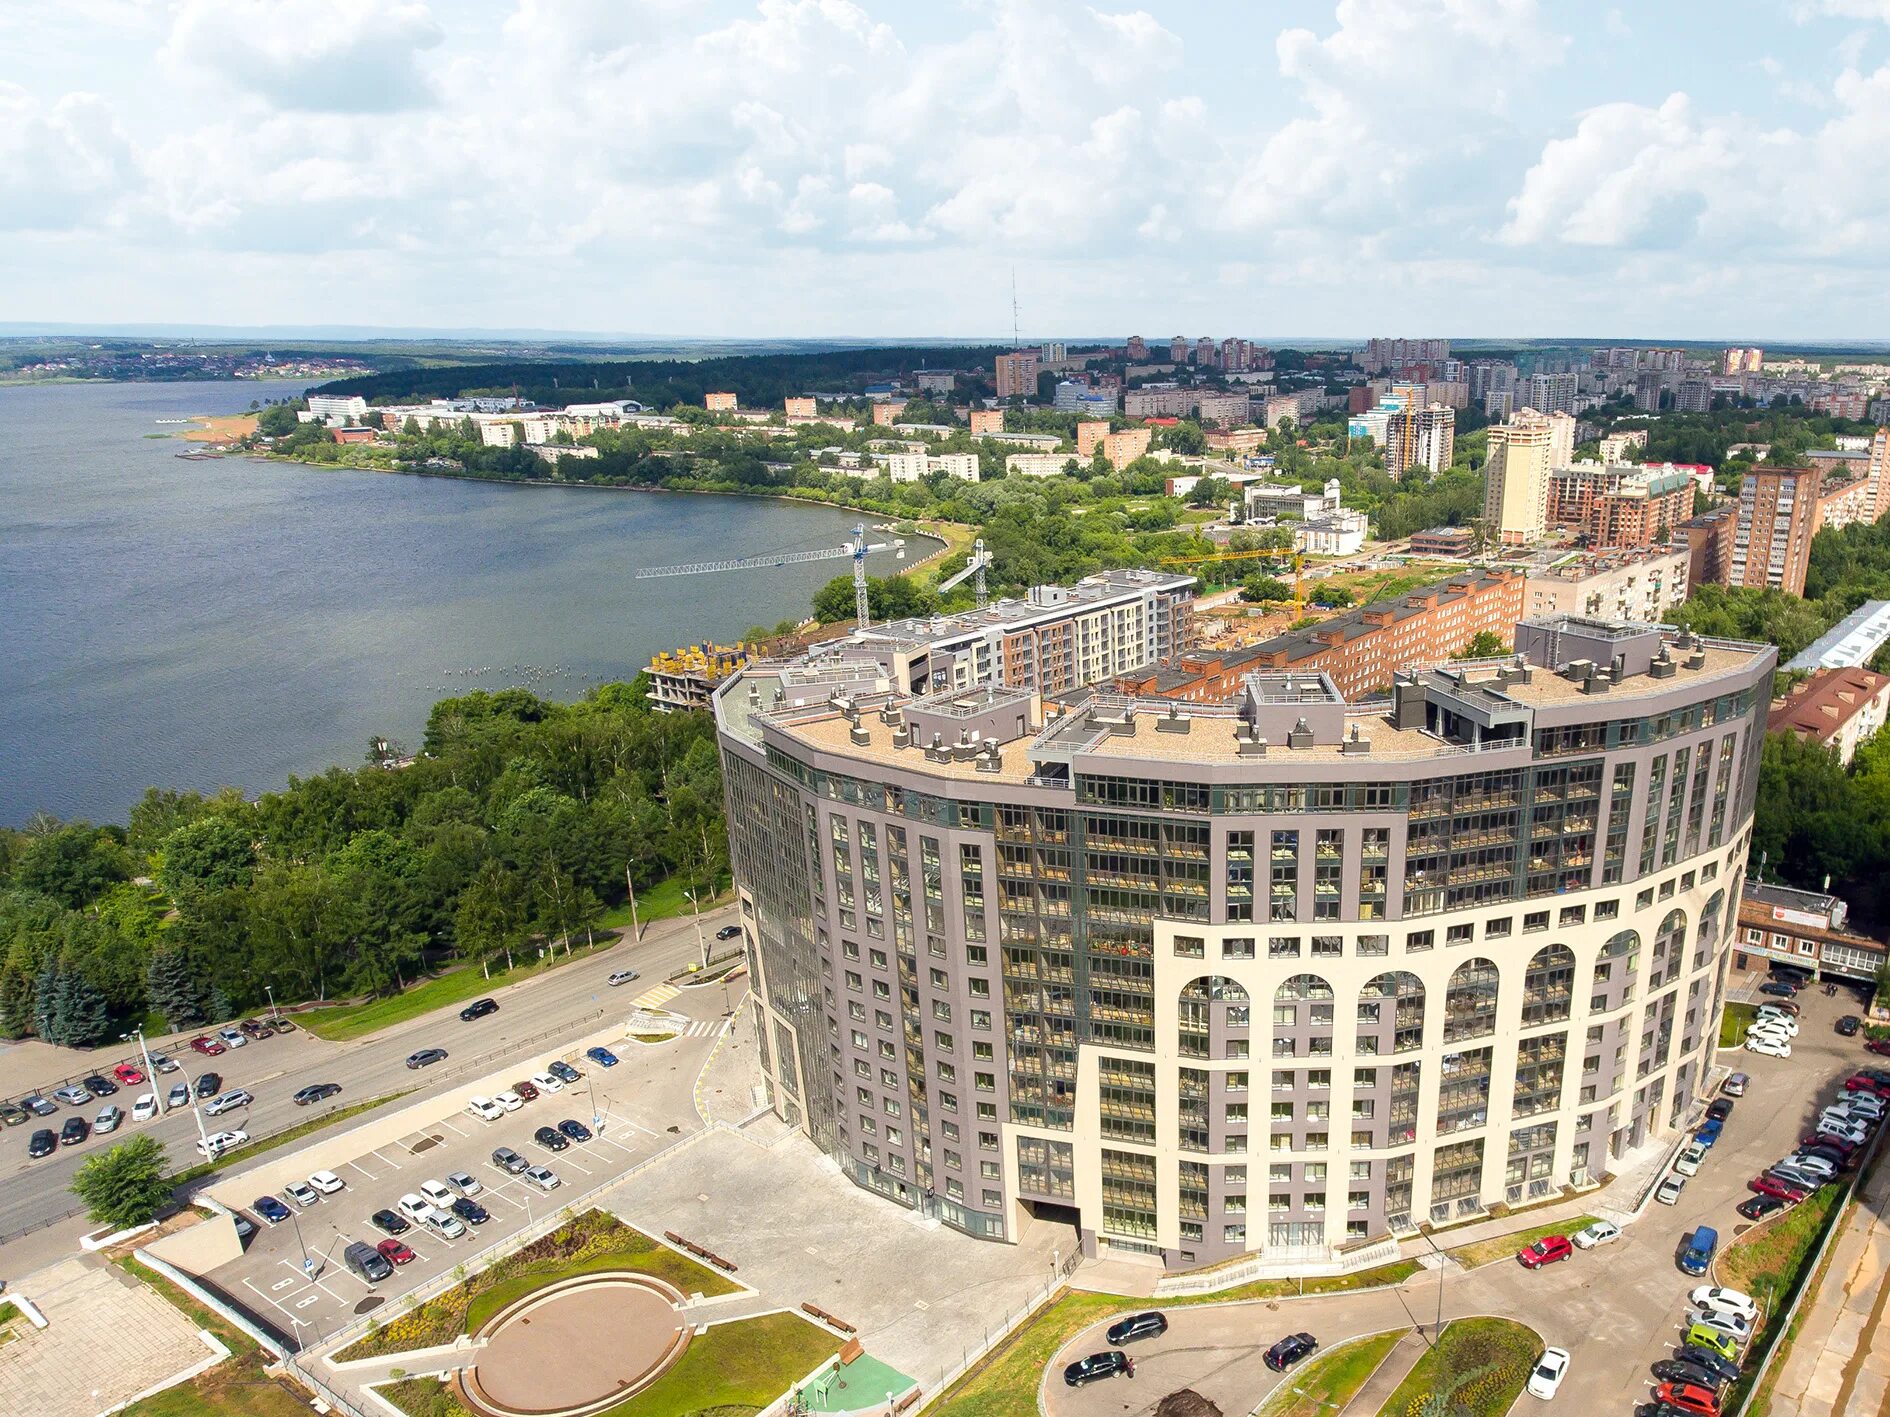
702	1028
655	998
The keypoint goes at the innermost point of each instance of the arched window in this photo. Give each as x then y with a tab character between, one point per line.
1303	999
1302	986
1470	1001
1669	948
1548	985
1706	937
1198	1003
1391	1014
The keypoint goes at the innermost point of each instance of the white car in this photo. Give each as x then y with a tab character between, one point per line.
1735	1326
232	1037
145	1108
1602	1232
545	1082
509	1100
464	1182
1688	1162
1866	1105
1784	1022
300	1192
412	1206
439	1195
485	1109
1668	1193
1548	1373
1732	1301
1769	1047
227	1102
327	1182
217	1143
543	1177
1843	1131
108	1119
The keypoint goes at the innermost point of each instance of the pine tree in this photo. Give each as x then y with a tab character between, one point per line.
173	989
88	1016
50	999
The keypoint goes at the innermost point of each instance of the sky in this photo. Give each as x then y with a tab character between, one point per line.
1682	169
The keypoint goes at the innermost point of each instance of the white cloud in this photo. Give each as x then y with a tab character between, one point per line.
342	56
61	165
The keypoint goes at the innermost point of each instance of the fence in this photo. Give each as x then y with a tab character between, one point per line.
998	1333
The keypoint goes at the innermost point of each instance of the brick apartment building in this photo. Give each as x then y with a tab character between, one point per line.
1620	507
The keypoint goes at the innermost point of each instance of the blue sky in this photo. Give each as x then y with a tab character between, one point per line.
1679	169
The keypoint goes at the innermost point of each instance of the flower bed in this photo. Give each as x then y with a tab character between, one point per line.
1477	1369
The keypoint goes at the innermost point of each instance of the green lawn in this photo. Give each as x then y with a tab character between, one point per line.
662	901
1504	1247
237	1387
454	986
1733	1023
1394	1273
1768	1262
1480	1365
636	1251
295	1133
1331	1380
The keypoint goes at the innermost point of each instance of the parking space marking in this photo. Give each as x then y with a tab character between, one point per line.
384	1158
452	1126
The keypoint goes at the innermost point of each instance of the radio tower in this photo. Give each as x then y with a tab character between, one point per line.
1016	343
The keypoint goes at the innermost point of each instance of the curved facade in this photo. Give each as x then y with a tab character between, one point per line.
1280	978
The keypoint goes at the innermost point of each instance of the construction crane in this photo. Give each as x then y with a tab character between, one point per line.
1297	560
857	548
980	558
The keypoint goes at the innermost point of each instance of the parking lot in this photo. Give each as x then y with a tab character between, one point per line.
291	1275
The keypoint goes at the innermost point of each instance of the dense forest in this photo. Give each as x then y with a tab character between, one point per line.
516	825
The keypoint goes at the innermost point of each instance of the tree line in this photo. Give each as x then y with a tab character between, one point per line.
515	825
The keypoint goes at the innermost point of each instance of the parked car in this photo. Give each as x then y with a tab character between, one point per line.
509	1101
1718	1296
1880	1046
484	1108
39	1106
601	1056
478	1008
1096	1367
1548	1250
426	1057
1719	1109
271	1209
562	1070
43	1142
74	1131
728	932
388	1222
1668	1192
129	1075
395	1251
231	1037
622	976
300	1192
1707	1133
1735	1326
1778	989
1759	1207
367	1264
471	1212
1768	1047
1712	1340
73	1095
1690	1159
145	1108
217	1143
316	1092
464	1182
551	1139
436	1194
208	1085
1548	1373
527	1091
207	1045
1602	1232
107	1120
1722	1365
508	1160
227	1102
327	1182
1697	1256
1735	1085
178	1096
543	1177
12	1114
99	1086
575	1130
544	1082
163	1063
1685	1370
1811	1165
1771	1186
280	1023
256	1028
1135	1327
1689	1397
1289	1350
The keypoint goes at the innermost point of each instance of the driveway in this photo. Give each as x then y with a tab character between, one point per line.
1617	1310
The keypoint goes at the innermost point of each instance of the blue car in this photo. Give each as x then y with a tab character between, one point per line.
603	1057
1709	1132
271	1209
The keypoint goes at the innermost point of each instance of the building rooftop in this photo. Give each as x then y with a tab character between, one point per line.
1041	601
1851	641
1824	703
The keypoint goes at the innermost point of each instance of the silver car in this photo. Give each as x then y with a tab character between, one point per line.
107	1120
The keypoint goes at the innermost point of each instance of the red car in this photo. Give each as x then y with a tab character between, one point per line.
1547	1250
1688	1397
128	1075
1879	1045
525	1090
1861	1083
207	1045
395	1252
1772	1186
1850	1149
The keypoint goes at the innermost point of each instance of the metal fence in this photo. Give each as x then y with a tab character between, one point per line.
976	1351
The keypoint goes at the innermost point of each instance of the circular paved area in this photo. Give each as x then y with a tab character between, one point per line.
577	1347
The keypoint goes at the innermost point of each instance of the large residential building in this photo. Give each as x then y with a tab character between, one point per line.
1159	403
1221	410
987	420
1522	454
1835	708
1624	505
1709	539
1283	979
910	467
1038	464
1122	448
1080	398
1382	354
1778	516
1550	393
333	409
719	403
1643	586
1420	437
1017	375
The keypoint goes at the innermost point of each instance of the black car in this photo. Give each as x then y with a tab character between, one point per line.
39	1106
577	1131
1778	989
208	1084
1136	1326
1758	1207
1096	1367
1662	1409
1290	1350
1720	1109
1727	1370
76	1130
42	1143
551	1139
426	1057
1848	1026
562	1070
1685	1370
478	1008
728	932
316	1092
389	1222
470	1211
100	1086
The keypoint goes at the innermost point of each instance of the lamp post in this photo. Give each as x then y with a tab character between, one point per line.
702	942
636	930
275	1014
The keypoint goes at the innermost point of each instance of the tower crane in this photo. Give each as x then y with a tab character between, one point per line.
858	549
980	558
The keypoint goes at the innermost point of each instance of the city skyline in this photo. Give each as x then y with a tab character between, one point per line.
826	170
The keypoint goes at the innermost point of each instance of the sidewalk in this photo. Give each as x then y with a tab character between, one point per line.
1386	1377
1840	1361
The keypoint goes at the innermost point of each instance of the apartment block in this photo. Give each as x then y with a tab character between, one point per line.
1121	449
1089	437
1038	464
804	407
1778	516
1221	410
1834	708
987	420
719	403
1640	586
1159	403
1017	375
1522	454
1623	505
1420	437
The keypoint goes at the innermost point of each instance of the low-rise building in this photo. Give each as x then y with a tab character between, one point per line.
806	406
886	411
1835	708
910	467
1805	929
1237	440
1851	642
987	420
1340	533
719	403
1443	541
1038	464
1641	586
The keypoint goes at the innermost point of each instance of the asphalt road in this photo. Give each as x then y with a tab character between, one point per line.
534	1017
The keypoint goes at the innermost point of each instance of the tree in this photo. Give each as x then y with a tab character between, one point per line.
1484	644
204	857
491	918
72	864
1262	590
173	990
1333	597
125	1186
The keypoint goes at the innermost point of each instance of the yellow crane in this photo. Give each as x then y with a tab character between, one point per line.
1296	559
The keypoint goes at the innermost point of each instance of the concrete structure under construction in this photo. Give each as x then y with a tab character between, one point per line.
1282	979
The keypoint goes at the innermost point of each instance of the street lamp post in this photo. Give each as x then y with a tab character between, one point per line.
636	930
275	1014
702	942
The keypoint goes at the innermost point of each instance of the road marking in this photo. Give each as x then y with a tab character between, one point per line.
661	994
311	1299
383	1156
445	1123
281	1283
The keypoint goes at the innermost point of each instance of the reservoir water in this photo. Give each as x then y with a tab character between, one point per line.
186	624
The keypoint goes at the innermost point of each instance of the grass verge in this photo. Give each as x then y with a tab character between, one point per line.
295	1133
1481	1252
455	986
1768	1262
236	1387
1734	1022
1331	1380
590	1242
1478	1368
663	901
